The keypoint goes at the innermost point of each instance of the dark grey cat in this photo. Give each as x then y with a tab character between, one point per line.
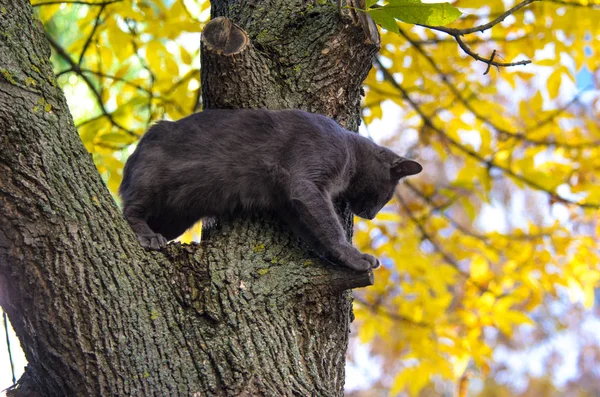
289	162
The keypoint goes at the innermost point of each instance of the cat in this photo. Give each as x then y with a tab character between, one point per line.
288	162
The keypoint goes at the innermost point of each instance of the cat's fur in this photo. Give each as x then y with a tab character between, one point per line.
289	162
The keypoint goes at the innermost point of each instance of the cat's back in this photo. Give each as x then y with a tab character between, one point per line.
222	140
305	133
239	146
247	125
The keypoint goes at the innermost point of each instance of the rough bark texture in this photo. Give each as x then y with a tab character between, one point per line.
247	312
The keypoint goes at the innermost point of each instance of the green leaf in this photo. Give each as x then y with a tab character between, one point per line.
383	19
415	12
369	3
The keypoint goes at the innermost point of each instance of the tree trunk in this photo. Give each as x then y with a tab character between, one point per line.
247	312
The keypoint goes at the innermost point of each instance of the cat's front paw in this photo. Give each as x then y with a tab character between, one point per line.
372	260
152	241
361	262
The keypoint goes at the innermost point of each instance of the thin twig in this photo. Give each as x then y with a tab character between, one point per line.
91	36
115	78
481	28
10	357
489	61
487	70
475	40
394	316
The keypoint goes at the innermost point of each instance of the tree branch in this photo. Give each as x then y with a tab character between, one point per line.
471	153
75	67
481	28
465	230
518	135
490	61
457	33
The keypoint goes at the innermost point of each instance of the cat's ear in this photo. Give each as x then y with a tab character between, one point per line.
404	167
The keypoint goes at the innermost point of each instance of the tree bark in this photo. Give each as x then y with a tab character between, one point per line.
247	312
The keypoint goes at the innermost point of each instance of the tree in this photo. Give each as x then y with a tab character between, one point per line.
504	222
245	313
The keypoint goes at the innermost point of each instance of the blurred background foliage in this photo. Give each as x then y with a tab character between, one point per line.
491	256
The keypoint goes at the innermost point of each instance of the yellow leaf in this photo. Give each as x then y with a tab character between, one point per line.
122	71
537	102
546	62
88	131
120	42
388	217
155	54
468	207
46	12
185	55
192	234
480	270
554	82
518	318
414	378
487	300
459	365
106	55
172	67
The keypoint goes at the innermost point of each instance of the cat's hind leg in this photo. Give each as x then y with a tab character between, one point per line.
147	238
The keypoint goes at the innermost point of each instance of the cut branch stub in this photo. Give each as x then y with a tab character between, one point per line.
365	20
224	37
229	58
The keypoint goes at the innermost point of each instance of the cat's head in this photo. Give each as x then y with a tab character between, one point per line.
376	184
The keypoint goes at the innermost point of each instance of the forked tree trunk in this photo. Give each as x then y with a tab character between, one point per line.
247	312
